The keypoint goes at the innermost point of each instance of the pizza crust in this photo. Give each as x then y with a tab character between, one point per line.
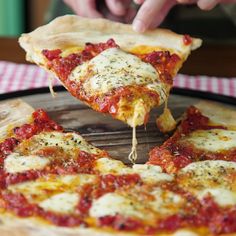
13	113
14	226
74	31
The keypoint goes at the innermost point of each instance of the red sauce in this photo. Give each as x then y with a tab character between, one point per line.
195	120
108	103
119	222
207	214
105	184
41	122
18	204
109	183
172	155
164	62
64	65
86	198
86	162
6	147
52	54
61	219
187	39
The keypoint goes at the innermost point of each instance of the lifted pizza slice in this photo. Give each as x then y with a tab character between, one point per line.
207	132
109	66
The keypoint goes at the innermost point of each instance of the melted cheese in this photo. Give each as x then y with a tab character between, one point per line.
111	166
215	178
15	163
222	196
133	153
151	174
212	140
69	142
114	203
61	203
166	122
137	114
166	202
114	68
50	86
42	188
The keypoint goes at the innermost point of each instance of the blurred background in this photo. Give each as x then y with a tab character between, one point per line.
18	16
216	27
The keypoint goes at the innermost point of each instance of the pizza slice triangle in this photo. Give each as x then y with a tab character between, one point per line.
108	66
207	132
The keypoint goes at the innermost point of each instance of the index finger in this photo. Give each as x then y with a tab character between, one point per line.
146	14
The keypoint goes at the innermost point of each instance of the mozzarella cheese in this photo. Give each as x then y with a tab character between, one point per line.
42	188
61	203
114	203
110	166
15	163
68	142
211	177
213	140
222	196
166	202
151	174
114	68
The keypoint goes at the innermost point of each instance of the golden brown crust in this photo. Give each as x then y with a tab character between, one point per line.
73	31
11	225
15	226
218	114
13	113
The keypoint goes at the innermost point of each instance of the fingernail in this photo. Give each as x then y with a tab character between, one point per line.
139	26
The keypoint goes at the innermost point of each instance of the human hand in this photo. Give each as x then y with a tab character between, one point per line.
153	12
119	10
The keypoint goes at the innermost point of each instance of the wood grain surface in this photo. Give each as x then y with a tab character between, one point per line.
102	130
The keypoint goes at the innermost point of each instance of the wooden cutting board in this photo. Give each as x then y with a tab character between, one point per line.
101	130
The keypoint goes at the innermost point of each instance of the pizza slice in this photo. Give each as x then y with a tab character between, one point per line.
207	132
109	66
11	115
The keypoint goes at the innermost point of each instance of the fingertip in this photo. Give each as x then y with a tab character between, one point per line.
139	26
206	5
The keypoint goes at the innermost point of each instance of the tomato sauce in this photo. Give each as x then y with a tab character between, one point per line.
121	223
41	122
18	204
105	184
187	39
6	147
174	155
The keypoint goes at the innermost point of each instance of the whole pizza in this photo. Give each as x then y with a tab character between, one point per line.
53	182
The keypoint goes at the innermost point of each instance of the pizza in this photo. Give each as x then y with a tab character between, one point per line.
53	182
109	66
207	132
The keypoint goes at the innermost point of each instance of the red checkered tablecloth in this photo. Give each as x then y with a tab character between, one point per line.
15	77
